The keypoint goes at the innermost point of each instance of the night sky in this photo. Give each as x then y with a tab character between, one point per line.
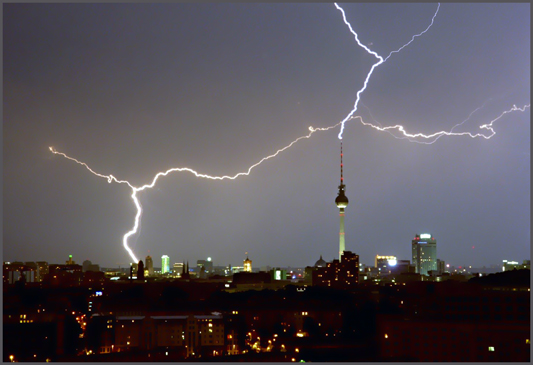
134	89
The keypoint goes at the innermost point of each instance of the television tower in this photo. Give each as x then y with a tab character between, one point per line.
342	202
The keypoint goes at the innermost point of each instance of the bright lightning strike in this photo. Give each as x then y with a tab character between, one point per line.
381	60
401	129
135	190
437	135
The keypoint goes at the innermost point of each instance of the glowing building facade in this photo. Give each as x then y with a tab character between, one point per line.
165	264
384	264
342	202
247	265
424	253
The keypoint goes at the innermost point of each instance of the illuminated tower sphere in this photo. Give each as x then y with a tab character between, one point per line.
342	202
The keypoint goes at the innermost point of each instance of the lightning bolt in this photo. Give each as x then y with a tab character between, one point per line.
135	190
380	60
349	117
437	135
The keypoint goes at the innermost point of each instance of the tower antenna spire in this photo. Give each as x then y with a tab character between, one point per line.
341	166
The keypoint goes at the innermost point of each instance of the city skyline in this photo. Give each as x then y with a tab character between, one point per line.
136	89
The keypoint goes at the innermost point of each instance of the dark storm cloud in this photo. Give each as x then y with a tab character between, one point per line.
133	89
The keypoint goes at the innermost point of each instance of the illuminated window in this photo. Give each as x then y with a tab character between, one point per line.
491	348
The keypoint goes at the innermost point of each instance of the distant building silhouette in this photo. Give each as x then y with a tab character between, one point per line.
140	270
206	264
89	266
149	265
339	274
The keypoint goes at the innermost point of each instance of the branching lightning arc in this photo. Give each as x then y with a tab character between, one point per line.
416	137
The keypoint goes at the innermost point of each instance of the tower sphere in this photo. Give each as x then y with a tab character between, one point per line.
341	200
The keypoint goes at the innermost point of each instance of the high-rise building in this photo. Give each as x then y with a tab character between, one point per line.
70	261
165	264
149	265
342	202
424	250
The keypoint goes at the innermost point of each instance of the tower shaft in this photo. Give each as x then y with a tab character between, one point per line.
342	244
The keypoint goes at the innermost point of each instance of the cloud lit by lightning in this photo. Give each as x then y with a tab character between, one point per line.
416	137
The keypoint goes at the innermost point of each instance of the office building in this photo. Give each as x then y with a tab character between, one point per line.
278	274
165	264
342	202
178	269
206	264
424	253
385	264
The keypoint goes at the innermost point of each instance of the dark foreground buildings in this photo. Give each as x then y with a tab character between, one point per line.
90	318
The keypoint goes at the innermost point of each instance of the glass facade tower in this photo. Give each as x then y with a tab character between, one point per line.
424	250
